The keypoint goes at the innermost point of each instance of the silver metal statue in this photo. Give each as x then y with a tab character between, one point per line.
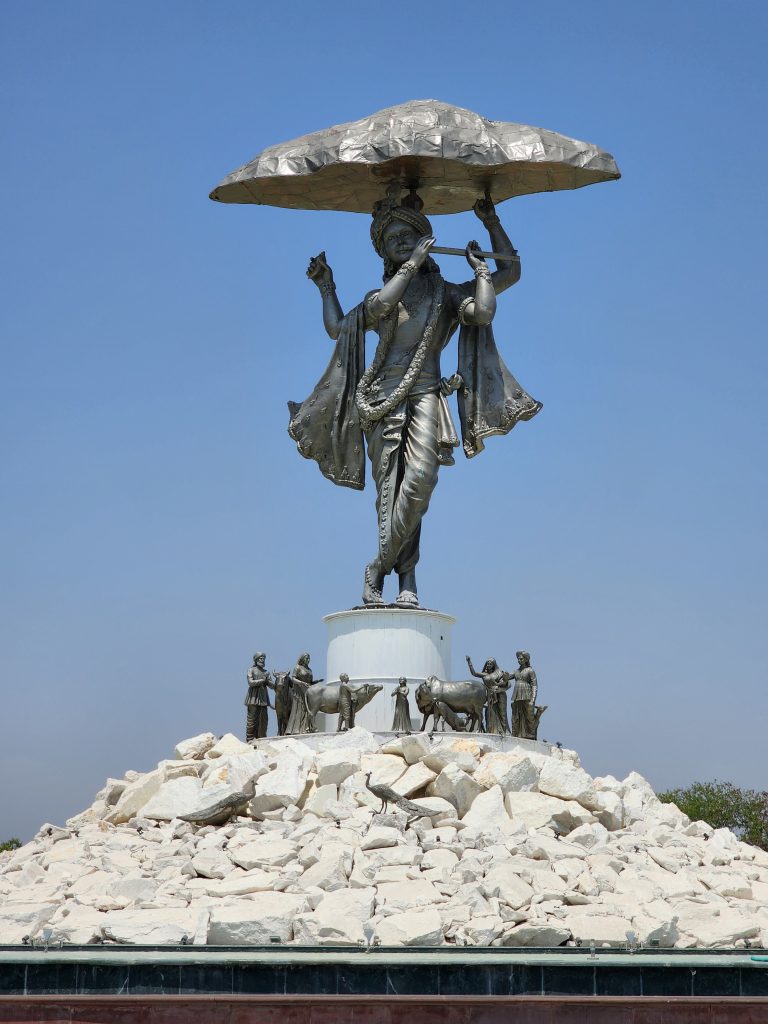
402	719
299	720
257	698
496	682
465	696
526	713
282	701
399	403
327	697
347	705
447	159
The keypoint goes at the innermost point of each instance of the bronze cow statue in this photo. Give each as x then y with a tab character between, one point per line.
325	697
464	696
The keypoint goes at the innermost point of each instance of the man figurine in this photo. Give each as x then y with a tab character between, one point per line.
346	705
257	698
525	711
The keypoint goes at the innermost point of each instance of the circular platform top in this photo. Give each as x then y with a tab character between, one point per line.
371	611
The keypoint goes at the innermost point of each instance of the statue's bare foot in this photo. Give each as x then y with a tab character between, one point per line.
408	595
373	583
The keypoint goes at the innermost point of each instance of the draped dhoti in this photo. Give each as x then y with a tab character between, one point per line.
404	450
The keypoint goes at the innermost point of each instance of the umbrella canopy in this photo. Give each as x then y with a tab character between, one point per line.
451	155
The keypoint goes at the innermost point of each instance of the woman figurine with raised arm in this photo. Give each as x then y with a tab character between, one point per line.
402	719
399	402
496	682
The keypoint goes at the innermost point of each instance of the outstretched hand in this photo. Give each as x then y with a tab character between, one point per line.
319	271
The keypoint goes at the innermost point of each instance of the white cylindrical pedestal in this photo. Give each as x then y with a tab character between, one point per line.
378	645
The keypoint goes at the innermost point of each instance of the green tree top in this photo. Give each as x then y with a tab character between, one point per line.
723	805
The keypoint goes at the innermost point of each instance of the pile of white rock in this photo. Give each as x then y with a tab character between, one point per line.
277	842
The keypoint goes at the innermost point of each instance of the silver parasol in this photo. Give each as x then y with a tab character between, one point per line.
451	155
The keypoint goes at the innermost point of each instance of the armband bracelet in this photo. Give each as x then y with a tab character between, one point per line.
462	308
409	267
483	272
491	221
327	288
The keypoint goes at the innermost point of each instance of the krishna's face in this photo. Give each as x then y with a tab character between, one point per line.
398	241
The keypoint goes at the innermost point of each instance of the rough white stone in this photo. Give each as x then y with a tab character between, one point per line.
536	933
156	927
406	895
537	810
76	924
334	766
228	744
270	851
414	747
414	779
318	800
487	811
599	929
195	747
257	921
135	796
422	928
380	836
20	919
563	780
456	786
513	771
503	882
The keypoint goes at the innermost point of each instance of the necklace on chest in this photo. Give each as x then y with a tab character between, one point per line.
415	296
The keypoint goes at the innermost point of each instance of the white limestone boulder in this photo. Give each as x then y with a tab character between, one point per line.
156	927
597	929
334	766
415	779
195	747
228	744
18	920
567	782
411	928
538	810
513	772
536	933
457	786
504	882
257	921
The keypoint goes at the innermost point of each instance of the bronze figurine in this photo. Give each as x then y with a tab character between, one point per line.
496	683
402	719
347	705
257	698
525	712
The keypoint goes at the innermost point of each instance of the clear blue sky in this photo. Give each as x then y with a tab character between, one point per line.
157	523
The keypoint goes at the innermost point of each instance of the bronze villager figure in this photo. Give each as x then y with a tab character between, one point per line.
496	683
402	719
299	719
282	701
399	402
525	712
347	705
257	698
